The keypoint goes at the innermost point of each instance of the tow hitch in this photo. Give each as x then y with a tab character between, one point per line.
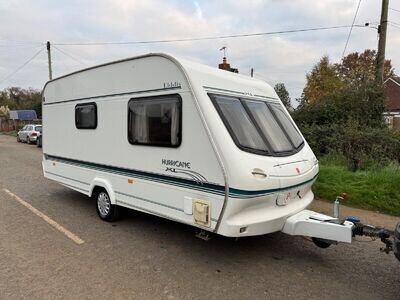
325	230
391	239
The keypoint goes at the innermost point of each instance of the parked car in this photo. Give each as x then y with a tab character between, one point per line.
29	133
39	139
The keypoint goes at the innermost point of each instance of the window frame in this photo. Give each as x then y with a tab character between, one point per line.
96	117
148	98
231	131
283	128
270	151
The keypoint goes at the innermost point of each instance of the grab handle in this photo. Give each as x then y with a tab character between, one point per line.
259	173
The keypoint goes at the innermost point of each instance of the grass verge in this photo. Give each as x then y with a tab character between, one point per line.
377	188
10	133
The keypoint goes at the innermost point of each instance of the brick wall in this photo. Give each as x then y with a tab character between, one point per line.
7	125
392	91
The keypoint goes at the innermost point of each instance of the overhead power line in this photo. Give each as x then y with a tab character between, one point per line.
394	9
206	38
395	26
351	28
21	66
20	41
69	55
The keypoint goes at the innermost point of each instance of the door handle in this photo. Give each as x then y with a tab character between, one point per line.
259	172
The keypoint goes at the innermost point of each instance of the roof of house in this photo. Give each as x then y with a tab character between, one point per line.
395	79
392	90
23	114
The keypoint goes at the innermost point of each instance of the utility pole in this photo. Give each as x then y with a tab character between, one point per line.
49	60
382	28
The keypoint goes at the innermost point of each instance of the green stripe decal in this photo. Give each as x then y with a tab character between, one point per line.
176	181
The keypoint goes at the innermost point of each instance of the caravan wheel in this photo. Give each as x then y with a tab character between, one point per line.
320	243
106	211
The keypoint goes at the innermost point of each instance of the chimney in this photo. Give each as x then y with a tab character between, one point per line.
227	67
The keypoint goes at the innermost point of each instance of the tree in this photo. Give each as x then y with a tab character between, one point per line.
4	111
19	98
283	94
38	108
322	81
357	68
341	111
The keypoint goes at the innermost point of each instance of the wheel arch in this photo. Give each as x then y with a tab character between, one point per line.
102	183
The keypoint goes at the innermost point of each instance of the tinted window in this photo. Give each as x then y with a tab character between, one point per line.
86	116
269	126
291	131
239	123
38	128
155	121
258	126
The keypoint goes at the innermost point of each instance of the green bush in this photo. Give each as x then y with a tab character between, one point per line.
360	146
365	146
350	123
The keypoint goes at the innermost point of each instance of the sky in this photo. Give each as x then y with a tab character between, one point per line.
27	25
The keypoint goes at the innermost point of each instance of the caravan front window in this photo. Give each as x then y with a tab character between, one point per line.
239	124
287	124
269	126
258	126
155	121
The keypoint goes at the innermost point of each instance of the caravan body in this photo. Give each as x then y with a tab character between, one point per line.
179	140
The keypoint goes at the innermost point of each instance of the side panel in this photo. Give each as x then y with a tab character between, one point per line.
141	177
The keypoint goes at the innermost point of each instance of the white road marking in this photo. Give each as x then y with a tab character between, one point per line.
47	219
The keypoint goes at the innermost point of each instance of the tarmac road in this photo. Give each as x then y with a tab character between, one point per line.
146	257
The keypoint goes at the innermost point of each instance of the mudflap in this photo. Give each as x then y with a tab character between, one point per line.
313	224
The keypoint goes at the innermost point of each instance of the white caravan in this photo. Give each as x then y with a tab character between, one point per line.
186	142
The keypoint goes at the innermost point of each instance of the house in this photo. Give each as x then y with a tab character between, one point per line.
26	115
13	119
226	66
392	105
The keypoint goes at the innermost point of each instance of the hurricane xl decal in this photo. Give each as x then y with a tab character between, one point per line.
182	167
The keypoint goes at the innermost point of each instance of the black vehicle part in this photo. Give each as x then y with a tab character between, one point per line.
384	235
396	241
322	243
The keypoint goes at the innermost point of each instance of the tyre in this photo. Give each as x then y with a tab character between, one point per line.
28	141
320	243
396	242
106	211
18	139
39	142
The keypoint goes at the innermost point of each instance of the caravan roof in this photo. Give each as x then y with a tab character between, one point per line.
197	75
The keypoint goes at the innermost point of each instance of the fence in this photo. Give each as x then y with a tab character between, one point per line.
7	125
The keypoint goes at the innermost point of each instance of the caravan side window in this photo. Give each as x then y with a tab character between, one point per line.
155	121
86	116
